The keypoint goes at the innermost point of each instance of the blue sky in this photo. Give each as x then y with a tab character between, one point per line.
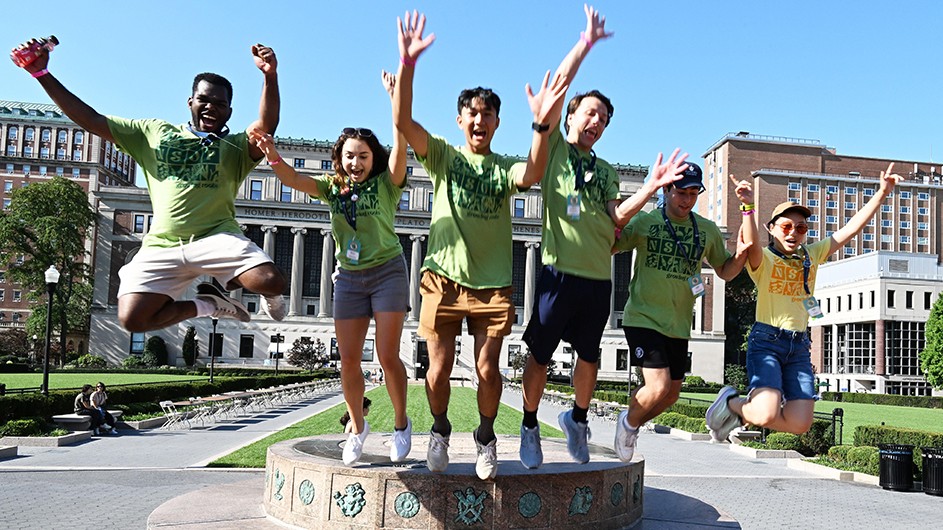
862	76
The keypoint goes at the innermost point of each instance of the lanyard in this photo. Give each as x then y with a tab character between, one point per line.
349	203
674	235
806	263
582	177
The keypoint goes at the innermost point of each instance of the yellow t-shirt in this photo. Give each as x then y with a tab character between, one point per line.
779	286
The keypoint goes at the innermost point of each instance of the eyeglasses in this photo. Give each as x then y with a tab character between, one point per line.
357	131
789	227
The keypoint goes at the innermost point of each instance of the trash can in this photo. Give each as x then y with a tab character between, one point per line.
897	467
933	470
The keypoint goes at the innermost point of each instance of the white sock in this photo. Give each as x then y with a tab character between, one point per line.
203	308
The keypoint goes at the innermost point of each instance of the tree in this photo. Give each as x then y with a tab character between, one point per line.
47	224
931	358
740	314
155	352
551	368
14	342
736	376
189	346
307	354
518	361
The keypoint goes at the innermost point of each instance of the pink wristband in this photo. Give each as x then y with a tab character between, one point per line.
747	212
585	38
407	61
40	73
275	162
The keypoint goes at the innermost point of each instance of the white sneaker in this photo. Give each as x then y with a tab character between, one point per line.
626	438
402	442
226	307
532	456
437	457
577	436
719	418
487	464
274	306
354	446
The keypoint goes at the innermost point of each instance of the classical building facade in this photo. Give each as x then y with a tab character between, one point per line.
295	231
37	143
877	290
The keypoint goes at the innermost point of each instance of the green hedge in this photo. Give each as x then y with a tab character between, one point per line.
33	426
680	421
864	459
17	406
783	441
872	435
927	402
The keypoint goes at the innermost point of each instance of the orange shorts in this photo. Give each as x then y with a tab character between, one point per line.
446	303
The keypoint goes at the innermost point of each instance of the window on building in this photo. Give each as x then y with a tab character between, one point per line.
850	206
42	171
327	165
367	355
813	203
860	300
3	293
11	150
832	189
850	251
60	171
7	186
17	295
45	135
905	195
404	201
12	133
813	187
16	317
246	346
927	300
136	347
28	134
904	341
28	151
873	295
905	240
923	211
139	224
518	207
905	225
867	236
255	190
923	196
6	203
62	136
76	172
890	299
622	359
908	299
813	233
831	204
429	202
831	219
284	194
886	223
794	186
217	344
299	162
60	154
77	154
43	152
886	208
409	171
3	276
79	137
513	351
838	304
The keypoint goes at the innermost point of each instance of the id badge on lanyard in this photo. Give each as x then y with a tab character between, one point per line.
813	307
353	251
697	285
573	206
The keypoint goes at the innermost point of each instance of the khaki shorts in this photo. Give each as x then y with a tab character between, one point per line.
445	304
170	271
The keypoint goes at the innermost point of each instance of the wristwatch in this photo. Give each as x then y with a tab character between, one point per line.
538	127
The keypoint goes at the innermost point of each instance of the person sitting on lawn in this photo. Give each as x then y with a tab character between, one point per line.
98	400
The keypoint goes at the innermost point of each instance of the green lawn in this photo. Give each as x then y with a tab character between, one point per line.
463	413
64	379
866	414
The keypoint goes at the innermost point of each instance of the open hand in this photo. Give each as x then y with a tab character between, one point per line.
744	190
595	25
547	104
665	173
264	58
389	81
411	41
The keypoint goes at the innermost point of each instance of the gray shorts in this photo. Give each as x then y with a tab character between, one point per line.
380	289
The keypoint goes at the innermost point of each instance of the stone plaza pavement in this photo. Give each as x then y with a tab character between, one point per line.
116	482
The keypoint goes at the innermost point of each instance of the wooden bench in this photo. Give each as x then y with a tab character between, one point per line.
79	422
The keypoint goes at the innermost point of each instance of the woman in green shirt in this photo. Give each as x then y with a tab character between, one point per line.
371	280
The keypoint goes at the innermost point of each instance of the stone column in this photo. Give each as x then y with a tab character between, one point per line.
268	246
529	276
880	352
415	261
297	272
327	268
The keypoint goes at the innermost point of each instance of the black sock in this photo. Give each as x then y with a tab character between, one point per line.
486	429
398	429
441	425
530	419
579	414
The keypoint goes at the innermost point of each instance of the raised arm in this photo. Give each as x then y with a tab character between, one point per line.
889	179
747	247
73	107
270	102
661	175
411	46
397	165
595	31
547	105
264	142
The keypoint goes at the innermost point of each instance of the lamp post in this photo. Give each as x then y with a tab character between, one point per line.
52	278
277	338
213	348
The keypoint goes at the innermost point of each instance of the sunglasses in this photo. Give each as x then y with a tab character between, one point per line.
357	131
789	227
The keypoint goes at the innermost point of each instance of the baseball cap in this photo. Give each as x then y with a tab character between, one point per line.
784	207
690	178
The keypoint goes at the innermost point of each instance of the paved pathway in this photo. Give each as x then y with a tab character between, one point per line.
687	484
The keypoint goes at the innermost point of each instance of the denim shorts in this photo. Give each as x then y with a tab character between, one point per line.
779	359
568	308
380	289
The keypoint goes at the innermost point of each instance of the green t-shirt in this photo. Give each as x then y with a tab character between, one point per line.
192	186
375	209
580	247
660	297
470	235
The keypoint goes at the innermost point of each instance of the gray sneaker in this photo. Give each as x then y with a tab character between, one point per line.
626	438
720	419
275	307
226	307
532	456
577	436
486	466
437	456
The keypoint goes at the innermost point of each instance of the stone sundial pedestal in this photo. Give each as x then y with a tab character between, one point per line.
307	485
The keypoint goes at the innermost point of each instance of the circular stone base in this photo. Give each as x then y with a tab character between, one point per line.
307	485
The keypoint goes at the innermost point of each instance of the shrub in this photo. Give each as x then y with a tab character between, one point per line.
33	426
189	346
865	459
819	438
133	362
690	410
682	422
91	361
736	376
839	453
783	441
872	435
155	352
694	380
929	402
